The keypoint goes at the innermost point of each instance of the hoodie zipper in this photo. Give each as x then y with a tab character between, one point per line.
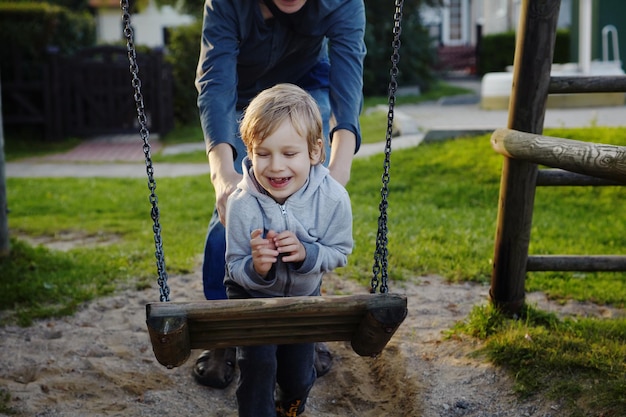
283	210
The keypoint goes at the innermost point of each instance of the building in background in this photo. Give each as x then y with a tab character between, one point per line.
458	26
149	26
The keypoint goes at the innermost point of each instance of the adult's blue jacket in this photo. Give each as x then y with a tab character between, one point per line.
243	54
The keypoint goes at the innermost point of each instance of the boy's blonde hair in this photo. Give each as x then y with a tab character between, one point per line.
271	107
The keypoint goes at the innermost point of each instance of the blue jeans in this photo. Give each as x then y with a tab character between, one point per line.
213	267
262	367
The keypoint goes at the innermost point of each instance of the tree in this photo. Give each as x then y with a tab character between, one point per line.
416	52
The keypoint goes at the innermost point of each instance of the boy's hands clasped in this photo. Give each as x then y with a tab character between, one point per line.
266	250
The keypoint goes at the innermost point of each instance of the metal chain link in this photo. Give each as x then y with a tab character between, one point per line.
145	134
380	271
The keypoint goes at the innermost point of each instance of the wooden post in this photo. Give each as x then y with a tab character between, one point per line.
4	206
534	50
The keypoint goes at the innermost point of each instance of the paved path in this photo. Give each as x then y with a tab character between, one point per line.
127	160
122	156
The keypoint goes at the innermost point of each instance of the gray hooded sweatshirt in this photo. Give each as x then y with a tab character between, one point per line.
319	214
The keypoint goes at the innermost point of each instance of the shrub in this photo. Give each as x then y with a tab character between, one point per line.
29	28
498	50
183	52
416	54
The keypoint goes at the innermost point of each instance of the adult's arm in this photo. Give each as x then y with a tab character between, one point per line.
216	74
346	52
341	153
216	83
223	176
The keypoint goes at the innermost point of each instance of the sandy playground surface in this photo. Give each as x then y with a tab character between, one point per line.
99	362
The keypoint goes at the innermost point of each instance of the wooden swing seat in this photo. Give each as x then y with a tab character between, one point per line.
368	321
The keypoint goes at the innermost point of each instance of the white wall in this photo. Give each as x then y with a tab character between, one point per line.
503	15
147	26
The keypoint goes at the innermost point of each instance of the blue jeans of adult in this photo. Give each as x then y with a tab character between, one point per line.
213	267
262	367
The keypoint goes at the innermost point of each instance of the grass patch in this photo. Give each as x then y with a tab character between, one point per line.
5	400
19	146
38	282
50	284
439	90
580	362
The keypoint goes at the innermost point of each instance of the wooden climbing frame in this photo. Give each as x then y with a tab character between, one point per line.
532	82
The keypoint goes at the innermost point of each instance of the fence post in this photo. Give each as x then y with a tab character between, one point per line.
52	97
163	117
534	50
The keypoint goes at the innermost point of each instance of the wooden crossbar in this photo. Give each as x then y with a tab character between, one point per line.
590	84
587	158
613	263
368	321
560	177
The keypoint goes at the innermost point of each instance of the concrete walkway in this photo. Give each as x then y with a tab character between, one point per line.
122	156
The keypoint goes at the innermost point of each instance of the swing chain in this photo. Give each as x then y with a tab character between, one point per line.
144	133
380	268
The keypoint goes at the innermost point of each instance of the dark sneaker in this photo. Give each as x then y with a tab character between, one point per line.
323	359
215	368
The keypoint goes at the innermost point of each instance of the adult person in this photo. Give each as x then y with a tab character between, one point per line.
246	47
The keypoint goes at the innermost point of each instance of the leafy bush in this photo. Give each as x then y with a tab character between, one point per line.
28	28
183	52
416	54
498	50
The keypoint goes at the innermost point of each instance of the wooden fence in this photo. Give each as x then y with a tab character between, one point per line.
87	94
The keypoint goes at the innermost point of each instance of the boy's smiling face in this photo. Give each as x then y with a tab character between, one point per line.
281	162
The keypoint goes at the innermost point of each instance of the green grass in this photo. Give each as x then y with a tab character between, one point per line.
5	400
112	210
21	145
578	361
439	90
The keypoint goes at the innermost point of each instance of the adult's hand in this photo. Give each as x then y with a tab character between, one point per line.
341	154
223	176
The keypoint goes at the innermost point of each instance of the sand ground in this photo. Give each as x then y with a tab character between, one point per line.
99	362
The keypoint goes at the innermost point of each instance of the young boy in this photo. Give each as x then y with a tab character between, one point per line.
287	224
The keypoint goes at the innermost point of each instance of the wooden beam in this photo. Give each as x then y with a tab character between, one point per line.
561	177
592	84
584	263
587	158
